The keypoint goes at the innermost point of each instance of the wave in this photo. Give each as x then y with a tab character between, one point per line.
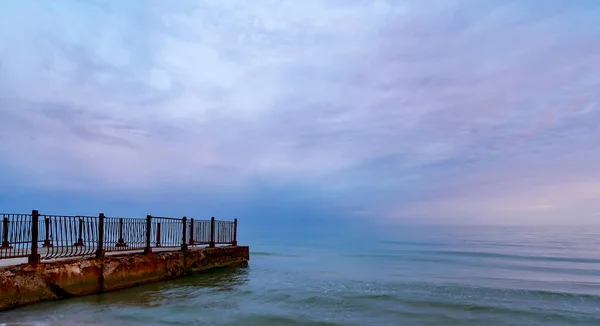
560	316
458	295
474	254
482	254
271	254
264	319
414	243
403	301
401	291
457	291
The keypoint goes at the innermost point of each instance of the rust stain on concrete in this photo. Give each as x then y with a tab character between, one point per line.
26	284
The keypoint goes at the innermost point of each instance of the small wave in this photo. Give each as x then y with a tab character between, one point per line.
322	299
501	301
425	255
373	255
271	254
384	297
562	313
264	319
457	291
479	308
482	254
517	265
413	243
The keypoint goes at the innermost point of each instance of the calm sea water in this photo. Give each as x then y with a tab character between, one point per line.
408	276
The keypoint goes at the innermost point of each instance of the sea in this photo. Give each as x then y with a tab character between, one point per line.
412	275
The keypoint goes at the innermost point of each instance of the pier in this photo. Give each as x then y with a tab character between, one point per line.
49	257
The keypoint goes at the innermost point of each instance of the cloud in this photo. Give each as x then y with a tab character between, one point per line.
398	110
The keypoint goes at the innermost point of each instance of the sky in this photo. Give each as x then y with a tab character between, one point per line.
290	112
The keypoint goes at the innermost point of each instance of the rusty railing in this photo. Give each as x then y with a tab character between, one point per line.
40	237
15	235
67	236
212	232
168	232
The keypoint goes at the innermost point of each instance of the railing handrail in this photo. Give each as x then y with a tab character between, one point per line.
81	235
123	217
72	216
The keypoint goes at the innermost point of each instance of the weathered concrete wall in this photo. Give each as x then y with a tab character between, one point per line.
26	284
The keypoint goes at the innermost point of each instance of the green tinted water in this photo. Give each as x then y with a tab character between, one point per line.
421	276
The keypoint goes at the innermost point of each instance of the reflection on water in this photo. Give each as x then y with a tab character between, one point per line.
186	288
125	306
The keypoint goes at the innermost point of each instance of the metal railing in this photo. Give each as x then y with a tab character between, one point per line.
40	237
16	235
67	236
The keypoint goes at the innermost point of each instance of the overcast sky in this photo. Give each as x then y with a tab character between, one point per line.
432	111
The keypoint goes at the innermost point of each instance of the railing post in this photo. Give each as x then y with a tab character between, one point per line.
184	245
157	234
79	242
47	243
148	249
212	233
100	250
121	242
191	232
34	257
5	243
234	243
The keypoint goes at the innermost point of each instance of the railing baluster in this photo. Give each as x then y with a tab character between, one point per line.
5	242
79	242
47	243
100	250
184	245
235	225
158	234
121	241
191	232
34	257
148	248
212	232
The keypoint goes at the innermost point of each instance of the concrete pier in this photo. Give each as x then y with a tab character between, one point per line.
60	279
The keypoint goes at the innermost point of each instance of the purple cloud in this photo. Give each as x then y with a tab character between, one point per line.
452	111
